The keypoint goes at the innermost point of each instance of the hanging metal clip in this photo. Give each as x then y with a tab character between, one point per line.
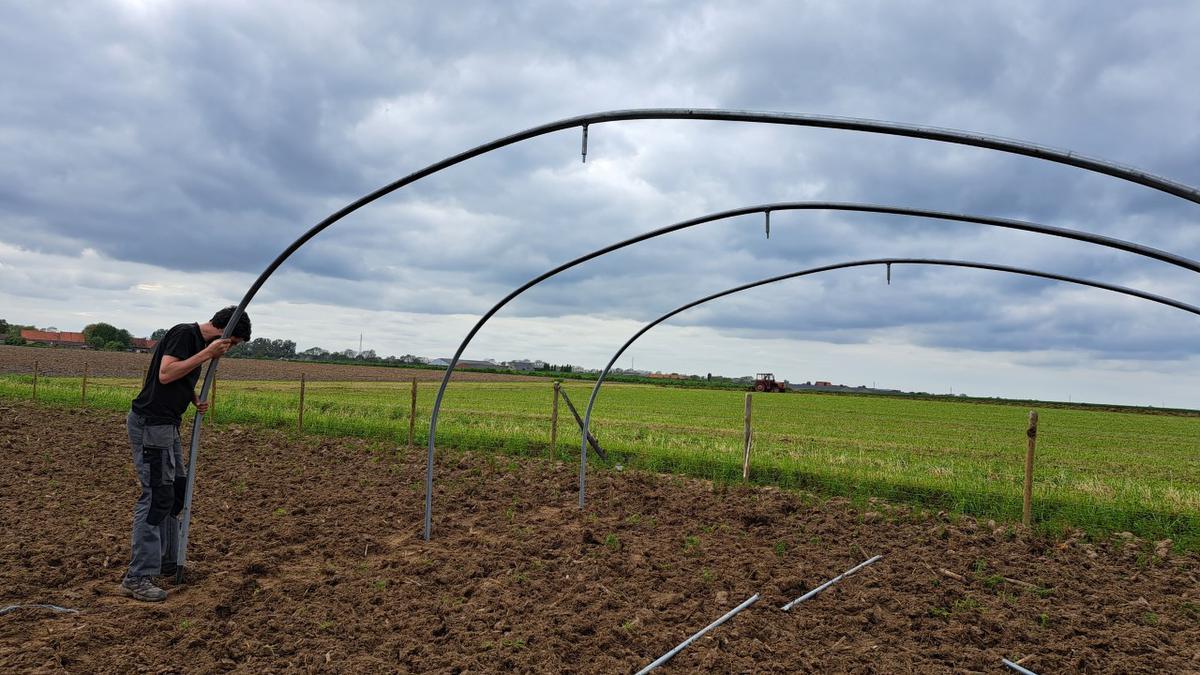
583	152
768	214
889	274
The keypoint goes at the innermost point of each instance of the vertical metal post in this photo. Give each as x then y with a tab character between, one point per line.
1031	443
212	400
412	415
83	390
554	422
747	440
35	374
583	433
300	418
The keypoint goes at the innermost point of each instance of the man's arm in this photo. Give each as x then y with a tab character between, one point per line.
173	368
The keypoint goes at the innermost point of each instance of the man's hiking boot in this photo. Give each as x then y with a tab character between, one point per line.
141	588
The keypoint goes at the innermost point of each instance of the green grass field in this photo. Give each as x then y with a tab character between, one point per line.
1098	470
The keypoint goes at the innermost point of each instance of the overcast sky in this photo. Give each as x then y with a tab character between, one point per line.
158	155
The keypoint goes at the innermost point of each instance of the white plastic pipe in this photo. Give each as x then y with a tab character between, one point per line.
829	583
667	657
1019	669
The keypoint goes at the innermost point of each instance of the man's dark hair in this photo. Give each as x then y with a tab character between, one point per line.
241	330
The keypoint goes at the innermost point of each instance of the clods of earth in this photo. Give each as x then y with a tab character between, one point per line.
307	555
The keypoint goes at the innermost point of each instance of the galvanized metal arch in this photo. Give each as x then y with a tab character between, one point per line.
587	415
792	119
1008	223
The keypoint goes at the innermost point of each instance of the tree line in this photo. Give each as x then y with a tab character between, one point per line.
105	336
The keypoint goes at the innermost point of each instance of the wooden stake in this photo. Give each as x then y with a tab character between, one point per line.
412	415
746	441
300	419
554	422
35	373
83	392
1031	434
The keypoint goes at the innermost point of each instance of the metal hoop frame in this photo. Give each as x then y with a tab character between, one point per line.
790	119
1007	223
587	415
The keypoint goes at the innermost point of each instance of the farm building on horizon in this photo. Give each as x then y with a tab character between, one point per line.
76	340
54	339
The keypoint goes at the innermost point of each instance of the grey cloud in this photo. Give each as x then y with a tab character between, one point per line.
201	138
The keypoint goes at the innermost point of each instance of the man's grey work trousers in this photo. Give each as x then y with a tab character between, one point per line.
158	460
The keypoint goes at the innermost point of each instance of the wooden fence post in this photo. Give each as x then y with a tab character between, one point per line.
412	415
747	440
83	391
554	422
300	419
35	373
1031	435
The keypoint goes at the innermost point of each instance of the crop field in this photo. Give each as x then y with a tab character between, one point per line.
1102	471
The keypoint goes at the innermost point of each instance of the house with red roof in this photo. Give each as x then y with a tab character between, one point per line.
59	339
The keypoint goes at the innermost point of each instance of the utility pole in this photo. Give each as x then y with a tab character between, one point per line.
360	344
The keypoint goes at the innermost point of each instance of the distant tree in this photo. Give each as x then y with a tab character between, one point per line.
101	335
4	326
158	334
115	346
348	353
282	349
14	339
315	353
368	355
264	348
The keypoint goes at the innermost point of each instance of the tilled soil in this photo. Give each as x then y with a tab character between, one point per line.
66	362
308	556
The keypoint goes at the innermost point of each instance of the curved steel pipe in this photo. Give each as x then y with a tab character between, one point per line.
587	415
1008	223
793	119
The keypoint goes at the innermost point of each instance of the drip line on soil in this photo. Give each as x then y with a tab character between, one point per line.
1019	669
829	583
52	608
682	645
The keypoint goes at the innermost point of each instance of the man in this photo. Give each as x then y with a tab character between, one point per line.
153	426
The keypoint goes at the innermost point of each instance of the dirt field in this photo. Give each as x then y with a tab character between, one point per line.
69	362
307	557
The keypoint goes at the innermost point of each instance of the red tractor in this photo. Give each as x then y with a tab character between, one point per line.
766	382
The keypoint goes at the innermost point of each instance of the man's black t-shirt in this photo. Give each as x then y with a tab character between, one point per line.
165	403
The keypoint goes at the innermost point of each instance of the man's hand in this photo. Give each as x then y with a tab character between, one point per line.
202	406
217	348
